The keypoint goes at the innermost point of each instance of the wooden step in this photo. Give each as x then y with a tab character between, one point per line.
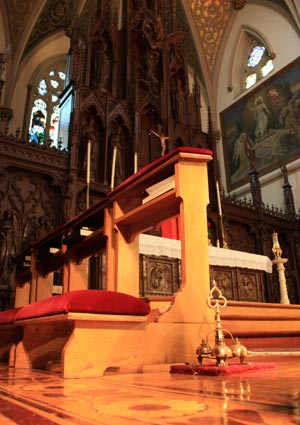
263	326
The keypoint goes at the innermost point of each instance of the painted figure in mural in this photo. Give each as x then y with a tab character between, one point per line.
8	248
289	116
242	153
261	115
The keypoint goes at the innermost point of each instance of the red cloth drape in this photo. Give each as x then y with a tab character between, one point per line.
171	229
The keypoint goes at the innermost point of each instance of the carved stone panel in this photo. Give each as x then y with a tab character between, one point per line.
159	275
239	284
250	285
225	278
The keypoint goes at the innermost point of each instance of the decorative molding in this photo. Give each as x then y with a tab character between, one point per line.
56	16
37	156
211	17
19	12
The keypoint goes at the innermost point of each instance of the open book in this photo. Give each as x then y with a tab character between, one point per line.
159	188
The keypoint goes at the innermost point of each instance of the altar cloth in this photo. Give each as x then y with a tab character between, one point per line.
155	245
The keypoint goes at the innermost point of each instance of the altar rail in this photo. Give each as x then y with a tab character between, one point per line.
112	225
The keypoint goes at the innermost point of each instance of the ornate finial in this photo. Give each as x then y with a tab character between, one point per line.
279	261
277	251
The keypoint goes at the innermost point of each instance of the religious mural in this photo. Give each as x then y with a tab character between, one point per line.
261	131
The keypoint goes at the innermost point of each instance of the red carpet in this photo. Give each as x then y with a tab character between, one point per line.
214	370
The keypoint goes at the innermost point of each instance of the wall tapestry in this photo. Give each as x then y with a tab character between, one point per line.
261	131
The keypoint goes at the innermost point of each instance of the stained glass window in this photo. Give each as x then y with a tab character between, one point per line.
268	67
250	80
44	118
54	83
259	64
39	117
42	88
256	55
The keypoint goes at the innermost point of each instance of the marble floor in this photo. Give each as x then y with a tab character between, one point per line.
270	397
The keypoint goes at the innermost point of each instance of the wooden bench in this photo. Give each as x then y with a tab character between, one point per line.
83	332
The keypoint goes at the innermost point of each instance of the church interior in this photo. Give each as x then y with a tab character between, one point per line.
149	212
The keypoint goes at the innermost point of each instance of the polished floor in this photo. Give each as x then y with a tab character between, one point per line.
270	397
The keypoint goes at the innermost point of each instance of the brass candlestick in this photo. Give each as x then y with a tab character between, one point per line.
280	262
221	352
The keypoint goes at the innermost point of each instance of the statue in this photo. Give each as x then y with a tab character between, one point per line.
8	249
105	68
44	227
68	196
88	132
102	63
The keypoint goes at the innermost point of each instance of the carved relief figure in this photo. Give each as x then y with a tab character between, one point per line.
8	249
30	232
160	278
101	60
152	33
181	101
104	69
44	227
68	196
118	161
89	132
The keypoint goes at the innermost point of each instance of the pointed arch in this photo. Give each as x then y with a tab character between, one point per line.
246	39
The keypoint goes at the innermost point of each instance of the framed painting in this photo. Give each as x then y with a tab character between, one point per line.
261	131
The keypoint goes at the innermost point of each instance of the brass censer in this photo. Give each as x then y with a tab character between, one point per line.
221	351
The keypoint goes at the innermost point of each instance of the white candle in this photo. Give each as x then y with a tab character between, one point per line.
88	164
113	168
219	199
135	162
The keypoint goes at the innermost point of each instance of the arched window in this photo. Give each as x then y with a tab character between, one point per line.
259	64
44	118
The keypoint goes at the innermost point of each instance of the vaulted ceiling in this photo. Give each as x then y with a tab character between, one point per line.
39	19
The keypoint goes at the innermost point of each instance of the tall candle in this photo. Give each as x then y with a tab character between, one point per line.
113	168
219	199
88	164
135	162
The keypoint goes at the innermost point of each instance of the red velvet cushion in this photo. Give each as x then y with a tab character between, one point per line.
8	316
86	301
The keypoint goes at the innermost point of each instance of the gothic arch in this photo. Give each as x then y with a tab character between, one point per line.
239	54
